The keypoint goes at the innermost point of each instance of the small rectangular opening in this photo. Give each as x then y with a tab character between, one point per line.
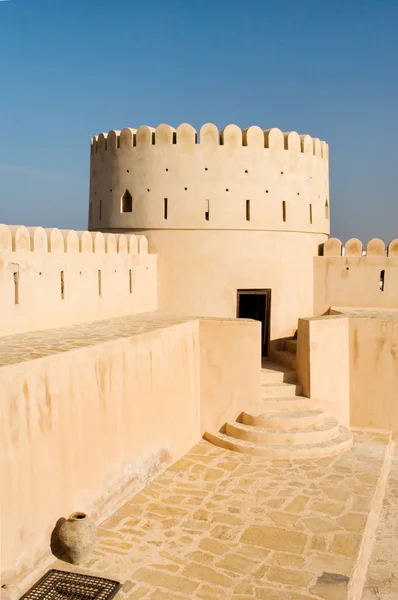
247	210
62	286
311	214
207	209
99	283
381	285
284	211
130	281
165	203
100	210
326	210
16	288
256	304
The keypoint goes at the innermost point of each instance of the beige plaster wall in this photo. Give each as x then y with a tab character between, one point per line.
51	277
199	272
353	280
230	369
349	366
374	372
323	364
81	427
223	169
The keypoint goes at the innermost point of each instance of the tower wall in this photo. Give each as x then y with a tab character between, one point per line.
223	211
250	180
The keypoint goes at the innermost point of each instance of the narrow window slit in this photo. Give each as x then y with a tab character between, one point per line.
284	211
207	210
381	285
62	286
99	283
311	214
16	288
130	281
326	209
247	210
165	207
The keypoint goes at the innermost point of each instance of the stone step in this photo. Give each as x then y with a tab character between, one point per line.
274	373
291	345
284	390
285	358
322	432
303	451
286	404
283	420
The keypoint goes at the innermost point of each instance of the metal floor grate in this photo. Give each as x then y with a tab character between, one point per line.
61	585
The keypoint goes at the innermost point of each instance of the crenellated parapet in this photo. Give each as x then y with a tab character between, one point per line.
17	238
356	274
250	179
354	248
55	277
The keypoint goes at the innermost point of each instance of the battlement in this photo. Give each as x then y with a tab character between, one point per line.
231	136
354	248
17	238
54	277
166	178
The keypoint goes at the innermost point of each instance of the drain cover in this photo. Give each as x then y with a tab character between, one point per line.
61	585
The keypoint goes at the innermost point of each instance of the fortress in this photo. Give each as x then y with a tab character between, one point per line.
207	300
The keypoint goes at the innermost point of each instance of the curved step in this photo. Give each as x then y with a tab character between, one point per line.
303	451
289	403
283	420
323	432
274	390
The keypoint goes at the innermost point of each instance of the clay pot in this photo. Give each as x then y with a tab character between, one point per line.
79	536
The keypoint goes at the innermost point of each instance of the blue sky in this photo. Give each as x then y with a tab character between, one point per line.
72	68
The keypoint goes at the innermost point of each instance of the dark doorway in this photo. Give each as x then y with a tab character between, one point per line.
256	304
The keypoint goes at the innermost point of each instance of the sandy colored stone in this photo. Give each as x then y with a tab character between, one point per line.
206	592
274	538
346	544
333	509
318	542
353	522
268	593
138	593
283	559
197	571
297	505
201	557
240	564
213	474
170	582
212	545
290	576
319	562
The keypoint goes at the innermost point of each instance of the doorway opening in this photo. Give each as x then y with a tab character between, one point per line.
256	304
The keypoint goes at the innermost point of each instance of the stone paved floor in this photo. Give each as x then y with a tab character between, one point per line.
220	525
382	578
37	344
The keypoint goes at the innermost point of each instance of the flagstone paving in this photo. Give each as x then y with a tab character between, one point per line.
220	525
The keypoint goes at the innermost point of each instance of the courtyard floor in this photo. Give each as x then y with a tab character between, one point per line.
220	525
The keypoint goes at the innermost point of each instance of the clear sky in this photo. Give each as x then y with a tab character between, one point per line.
72	68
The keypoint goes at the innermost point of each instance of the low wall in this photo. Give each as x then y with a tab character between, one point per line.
230	369
349	365
52	277
81	429
352	276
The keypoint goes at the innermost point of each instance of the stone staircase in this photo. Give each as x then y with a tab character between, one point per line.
286	424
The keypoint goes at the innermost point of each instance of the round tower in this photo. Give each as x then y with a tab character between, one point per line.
224	212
